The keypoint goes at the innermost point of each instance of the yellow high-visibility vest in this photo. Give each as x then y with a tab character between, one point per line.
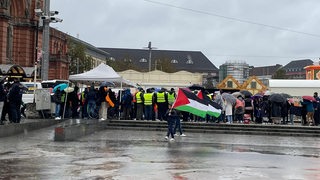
148	98
171	98
138	97
161	97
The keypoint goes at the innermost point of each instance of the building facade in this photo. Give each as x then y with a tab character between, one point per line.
21	42
296	69
237	69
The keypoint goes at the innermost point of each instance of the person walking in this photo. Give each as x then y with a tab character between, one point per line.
178	125
171	116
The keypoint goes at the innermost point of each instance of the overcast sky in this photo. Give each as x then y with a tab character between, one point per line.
258	32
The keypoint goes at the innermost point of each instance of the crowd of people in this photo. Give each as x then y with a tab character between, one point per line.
274	108
102	103
155	104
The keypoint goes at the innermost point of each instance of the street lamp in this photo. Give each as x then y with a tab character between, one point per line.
46	18
150	53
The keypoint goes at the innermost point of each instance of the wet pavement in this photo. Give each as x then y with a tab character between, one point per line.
125	154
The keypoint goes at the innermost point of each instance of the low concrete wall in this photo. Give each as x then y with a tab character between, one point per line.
75	129
13	129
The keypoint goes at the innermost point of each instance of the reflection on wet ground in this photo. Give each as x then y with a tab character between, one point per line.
123	154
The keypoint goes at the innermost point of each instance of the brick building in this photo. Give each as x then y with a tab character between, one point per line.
19	37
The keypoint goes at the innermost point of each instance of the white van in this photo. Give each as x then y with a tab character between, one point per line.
28	95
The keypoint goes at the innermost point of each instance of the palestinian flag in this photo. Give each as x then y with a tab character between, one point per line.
214	109
189	102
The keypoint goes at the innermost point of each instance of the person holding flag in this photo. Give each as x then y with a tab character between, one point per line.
171	117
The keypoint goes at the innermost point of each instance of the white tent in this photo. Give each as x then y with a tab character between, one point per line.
100	73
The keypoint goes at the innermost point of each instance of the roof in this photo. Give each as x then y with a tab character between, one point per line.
298	64
90	49
100	73
264	70
191	61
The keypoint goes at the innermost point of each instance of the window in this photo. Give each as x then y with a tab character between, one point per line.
174	61
127	60
189	60
229	84
143	60
253	85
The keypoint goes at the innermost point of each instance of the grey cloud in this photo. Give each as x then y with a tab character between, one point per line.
132	24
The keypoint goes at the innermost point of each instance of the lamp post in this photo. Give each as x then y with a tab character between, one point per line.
47	17
150	54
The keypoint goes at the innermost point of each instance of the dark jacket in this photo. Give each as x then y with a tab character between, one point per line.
15	93
2	93
172	115
57	96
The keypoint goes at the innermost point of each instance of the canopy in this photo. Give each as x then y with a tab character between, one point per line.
100	73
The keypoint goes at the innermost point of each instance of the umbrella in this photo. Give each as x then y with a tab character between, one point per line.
107	84
246	93
237	94
68	89
229	98
285	95
195	87
277	98
309	98
62	86
258	95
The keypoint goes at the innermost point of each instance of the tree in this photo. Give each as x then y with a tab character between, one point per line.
280	74
165	65
79	61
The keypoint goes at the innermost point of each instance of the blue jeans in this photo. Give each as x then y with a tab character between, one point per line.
91	107
291	118
148	112
171	122
58	107
178	125
229	118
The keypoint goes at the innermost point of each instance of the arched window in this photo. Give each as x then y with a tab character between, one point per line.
127	60
189	60
174	61
143	60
